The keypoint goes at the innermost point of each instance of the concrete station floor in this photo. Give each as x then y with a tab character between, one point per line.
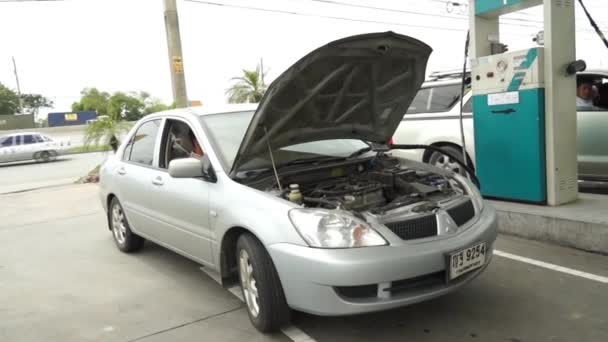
62	279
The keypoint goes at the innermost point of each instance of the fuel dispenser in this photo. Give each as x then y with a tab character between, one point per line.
509	122
524	113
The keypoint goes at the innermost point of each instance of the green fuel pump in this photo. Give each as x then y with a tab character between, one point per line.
524	113
509	123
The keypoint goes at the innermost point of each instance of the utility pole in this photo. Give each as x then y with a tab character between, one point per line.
18	86
262	69
176	63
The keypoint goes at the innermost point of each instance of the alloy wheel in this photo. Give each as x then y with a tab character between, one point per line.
249	284
445	162
118	224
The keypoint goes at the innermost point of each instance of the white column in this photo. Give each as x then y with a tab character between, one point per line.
560	102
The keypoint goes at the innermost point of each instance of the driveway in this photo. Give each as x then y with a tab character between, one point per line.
62	279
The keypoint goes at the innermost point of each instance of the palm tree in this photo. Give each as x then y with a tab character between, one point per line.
106	130
249	87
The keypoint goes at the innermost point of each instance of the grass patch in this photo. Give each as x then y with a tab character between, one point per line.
93	148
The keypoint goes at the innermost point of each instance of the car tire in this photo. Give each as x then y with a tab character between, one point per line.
444	162
125	239
45	156
260	285
37	157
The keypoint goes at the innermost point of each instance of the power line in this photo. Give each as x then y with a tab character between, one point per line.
261	9
387	9
462	17
269	10
1	1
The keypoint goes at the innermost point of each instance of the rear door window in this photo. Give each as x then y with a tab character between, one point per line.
28	139
435	99
140	149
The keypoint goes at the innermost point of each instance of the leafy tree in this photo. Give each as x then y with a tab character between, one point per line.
33	102
105	131
126	106
119	108
156	107
92	100
42	123
249	87
9	101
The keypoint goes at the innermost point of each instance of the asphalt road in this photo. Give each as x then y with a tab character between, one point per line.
30	175
62	279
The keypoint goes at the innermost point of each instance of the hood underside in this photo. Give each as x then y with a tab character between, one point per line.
353	88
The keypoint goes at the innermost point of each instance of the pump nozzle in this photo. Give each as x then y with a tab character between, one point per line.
575	67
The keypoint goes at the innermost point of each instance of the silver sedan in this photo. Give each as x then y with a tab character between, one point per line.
299	199
30	146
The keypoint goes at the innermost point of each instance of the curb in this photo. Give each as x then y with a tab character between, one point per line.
587	236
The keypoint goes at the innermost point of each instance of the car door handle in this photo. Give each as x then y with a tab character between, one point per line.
158	181
121	171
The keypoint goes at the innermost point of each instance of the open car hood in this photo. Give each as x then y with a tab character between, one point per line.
357	87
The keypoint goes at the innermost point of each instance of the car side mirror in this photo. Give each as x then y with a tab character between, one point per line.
192	168
186	168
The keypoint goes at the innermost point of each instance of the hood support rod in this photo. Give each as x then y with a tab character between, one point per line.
274	166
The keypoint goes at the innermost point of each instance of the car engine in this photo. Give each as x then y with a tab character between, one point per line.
377	186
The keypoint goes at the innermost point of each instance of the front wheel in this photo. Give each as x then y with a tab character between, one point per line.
125	239
261	286
442	161
45	156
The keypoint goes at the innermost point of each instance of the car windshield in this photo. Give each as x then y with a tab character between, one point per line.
226	132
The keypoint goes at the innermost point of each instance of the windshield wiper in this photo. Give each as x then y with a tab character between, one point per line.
360	152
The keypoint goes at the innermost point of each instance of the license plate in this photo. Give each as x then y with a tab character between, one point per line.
467	260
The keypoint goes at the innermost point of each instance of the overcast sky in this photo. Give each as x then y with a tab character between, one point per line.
120	45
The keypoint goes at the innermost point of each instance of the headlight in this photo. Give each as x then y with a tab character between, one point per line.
333	229
471	190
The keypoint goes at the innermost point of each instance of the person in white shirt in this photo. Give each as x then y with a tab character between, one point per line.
584	93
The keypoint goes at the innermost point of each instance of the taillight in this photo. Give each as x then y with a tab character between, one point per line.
391	141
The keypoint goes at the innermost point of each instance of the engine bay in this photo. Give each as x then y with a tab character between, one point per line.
376	185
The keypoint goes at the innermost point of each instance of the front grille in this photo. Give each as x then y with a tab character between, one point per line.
462	212
426	281
415	228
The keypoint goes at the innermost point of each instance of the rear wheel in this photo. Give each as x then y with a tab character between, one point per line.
444	162
261	286
125	239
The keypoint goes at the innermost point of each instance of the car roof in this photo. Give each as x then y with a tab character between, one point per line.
594	71
20	133
452	77
223	108
205	110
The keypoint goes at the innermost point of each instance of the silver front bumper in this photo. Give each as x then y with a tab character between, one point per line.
310	276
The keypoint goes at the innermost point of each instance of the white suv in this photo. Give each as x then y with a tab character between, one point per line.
433	119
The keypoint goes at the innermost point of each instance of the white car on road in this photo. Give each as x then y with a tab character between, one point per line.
30	146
